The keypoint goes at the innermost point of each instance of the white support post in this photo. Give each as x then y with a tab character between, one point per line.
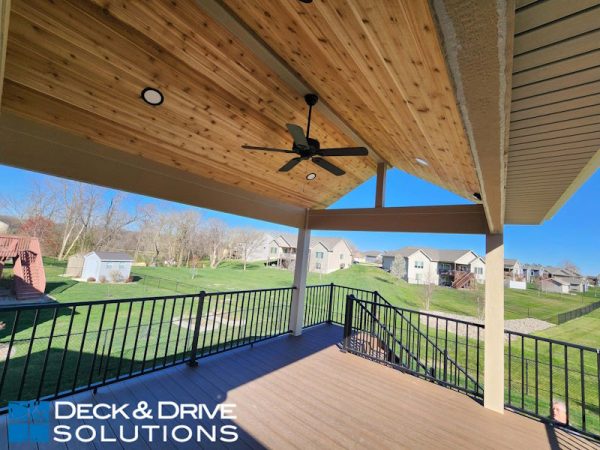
494	324
300	272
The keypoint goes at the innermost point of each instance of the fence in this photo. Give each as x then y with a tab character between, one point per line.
574	314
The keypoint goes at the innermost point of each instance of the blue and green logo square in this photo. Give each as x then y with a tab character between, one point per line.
29	421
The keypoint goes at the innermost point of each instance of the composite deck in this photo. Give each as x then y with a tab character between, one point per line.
303	392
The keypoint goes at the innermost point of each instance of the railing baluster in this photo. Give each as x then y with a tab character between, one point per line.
124	340
87	320
48	349
110	344
582	379
197	324
137	336
28	357
159	334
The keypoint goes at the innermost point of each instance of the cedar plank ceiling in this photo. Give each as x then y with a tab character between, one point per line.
81	66
378	65
555	113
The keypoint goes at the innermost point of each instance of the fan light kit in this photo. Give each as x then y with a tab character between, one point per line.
152	96
310	149
311	176
422	161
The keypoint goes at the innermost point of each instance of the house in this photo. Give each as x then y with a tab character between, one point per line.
456	268
575	281
106	266
554	285
513	269
533	272
326	254
373	256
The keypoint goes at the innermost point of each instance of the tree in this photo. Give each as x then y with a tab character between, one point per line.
428	287
398	268
247	241
43	229
216	240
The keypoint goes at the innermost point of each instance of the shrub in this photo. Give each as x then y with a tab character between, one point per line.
130	279
116	276
102	279
91	280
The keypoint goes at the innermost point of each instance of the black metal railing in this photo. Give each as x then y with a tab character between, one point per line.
545	373
51	350
575	313
58	349
446	351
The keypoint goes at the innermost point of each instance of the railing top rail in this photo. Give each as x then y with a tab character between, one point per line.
515	333
554	341
415	311
131	300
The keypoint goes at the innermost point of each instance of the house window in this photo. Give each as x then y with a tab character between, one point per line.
444	266
479	270
318	266
419	264
121	265
341	256
273	250
109	265
319	255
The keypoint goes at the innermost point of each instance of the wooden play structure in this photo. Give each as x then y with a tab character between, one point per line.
29	277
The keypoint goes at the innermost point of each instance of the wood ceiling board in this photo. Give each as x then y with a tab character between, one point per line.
557	31
91	62
379	65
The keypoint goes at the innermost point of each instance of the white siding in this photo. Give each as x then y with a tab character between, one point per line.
421	270
477	265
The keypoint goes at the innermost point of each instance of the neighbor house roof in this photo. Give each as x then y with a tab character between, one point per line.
509	262
555	281
113	256
291	240
372	253
434	254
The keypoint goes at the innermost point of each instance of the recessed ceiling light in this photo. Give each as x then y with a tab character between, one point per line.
306	1
477	196
152	96
311	176
422	161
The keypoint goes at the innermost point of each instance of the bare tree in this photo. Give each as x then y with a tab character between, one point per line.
247	241
112	222
216	239
398	268
428	288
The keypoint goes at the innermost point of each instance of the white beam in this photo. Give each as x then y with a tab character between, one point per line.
300	273
494	324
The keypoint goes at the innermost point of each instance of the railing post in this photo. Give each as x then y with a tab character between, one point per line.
330	308
194	350
374	310
445	364
348	320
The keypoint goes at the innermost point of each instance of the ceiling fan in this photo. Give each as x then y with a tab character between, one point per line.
307	148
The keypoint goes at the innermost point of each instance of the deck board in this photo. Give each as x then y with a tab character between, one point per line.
304	392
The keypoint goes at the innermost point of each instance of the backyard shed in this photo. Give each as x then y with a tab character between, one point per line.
110	266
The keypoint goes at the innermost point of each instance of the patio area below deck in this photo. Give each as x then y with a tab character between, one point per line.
304	392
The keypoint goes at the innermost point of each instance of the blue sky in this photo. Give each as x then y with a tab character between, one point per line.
572	234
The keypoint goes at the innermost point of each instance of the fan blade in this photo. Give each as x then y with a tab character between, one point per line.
267	149
298	134
328	166
344	151
290	164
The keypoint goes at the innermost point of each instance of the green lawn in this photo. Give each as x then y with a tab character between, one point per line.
583	330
